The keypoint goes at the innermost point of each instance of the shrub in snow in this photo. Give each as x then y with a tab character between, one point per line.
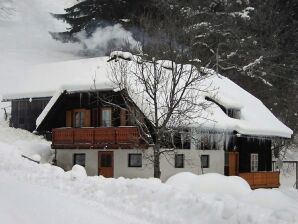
77	172
210	183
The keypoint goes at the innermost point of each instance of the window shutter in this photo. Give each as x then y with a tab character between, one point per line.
87	118
95	117
123	117
69	118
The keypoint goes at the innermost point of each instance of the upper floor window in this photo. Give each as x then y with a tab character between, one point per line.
209	142
106	117
78	119
254	162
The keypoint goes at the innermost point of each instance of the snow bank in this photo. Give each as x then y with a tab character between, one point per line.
210	183
25	143
185	198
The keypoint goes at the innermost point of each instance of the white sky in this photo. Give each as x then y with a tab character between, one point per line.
24	39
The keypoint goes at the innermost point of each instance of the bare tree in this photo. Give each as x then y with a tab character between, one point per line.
168	93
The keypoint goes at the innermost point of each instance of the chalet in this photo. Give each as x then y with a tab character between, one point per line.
89	125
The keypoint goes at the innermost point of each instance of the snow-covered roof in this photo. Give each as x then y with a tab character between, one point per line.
45	79
255	118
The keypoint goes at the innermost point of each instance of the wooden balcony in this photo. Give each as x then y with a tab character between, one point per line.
262	179
85	138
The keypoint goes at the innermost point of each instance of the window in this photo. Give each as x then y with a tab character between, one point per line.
106	117
205	161
135	160
106	160
179	161
78	119
254	162
180	139
79	158
233	113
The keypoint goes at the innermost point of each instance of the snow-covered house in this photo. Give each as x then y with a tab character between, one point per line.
98	134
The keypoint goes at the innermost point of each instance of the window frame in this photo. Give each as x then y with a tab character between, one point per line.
208	161
129	160
79	154
176	160
102	117
254	162
81	118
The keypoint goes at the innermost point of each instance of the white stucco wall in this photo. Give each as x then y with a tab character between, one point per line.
191	162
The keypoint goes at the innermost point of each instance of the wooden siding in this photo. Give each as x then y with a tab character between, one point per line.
24	112
246	146
261	179
123	137
57	116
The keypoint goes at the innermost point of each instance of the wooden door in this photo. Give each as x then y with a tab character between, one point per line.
233	163
106	164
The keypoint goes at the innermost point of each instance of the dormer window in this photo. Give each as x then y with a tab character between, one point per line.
233	113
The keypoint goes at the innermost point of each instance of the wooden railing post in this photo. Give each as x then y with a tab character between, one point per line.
72	131
116	135
93	136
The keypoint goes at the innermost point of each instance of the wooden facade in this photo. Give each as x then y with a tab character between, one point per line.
62	113
85	121
267	179
239	163
24	112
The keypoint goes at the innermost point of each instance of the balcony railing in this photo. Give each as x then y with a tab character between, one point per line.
107	137
264	179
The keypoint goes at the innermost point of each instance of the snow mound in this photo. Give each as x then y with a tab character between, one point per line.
25	143
36	157
133	201
268	198
210	183
77	172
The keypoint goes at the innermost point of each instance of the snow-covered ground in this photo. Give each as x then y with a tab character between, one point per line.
41	193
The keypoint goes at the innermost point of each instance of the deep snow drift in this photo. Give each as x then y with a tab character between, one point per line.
40	193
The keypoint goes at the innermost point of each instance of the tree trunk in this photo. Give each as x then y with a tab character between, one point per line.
157	172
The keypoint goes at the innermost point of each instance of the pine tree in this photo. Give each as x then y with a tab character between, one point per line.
91	14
